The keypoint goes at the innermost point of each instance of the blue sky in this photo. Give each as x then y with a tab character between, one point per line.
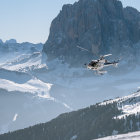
29	20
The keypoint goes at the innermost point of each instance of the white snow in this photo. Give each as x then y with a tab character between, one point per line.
128	104
34	86
67	106
28	71
15	117
25	62
129	136
73	137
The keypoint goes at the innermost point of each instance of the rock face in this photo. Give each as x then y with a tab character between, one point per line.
12	46
11	41
101	26
1	42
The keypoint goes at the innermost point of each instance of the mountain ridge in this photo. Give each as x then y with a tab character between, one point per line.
73	88
93	122
101	26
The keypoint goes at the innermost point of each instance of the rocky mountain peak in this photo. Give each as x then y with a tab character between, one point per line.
1	42
11	41
101	26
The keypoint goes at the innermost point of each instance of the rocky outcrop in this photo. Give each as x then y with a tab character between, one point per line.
101	26
11	41
13	46
1	42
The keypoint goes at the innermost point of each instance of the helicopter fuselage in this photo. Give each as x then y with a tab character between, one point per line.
98	65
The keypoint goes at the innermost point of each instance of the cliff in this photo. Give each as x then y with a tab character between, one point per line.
101	26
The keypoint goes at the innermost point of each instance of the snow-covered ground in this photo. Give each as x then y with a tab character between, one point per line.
25	99
34	86
129	136
128	104
37	90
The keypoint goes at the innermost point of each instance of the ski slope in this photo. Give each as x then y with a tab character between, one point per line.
129	136
129	105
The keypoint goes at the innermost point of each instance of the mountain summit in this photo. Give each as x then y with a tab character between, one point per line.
101	26
11	41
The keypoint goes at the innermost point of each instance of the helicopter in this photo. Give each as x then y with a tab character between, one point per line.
98	65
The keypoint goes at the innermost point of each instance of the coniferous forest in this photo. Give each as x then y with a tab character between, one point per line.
89	123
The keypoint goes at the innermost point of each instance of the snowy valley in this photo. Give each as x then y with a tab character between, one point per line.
33	87
46	91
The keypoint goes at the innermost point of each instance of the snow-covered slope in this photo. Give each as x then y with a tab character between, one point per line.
129	105
32	87
129	136
21	92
